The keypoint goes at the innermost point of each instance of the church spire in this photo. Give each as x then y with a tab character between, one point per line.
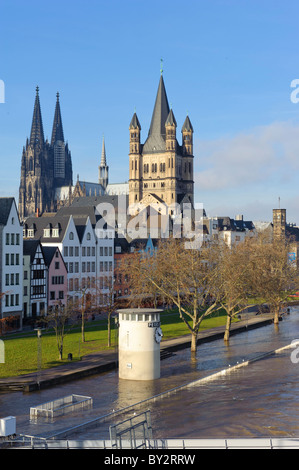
57	131
161	111
103	168
157	133
103	157
37	132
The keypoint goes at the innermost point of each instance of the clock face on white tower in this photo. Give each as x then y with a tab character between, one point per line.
158	335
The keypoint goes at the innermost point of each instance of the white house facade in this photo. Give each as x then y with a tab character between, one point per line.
11	262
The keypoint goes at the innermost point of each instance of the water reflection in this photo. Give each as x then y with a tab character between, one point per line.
259	400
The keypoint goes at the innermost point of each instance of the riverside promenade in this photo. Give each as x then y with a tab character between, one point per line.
104	361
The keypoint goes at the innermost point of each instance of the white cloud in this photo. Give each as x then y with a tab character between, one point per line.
265	155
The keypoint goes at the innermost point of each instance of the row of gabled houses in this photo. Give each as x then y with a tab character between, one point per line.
50	261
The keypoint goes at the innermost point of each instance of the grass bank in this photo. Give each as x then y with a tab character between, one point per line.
21	350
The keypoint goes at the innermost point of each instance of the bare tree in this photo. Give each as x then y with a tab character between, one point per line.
179	275
62	319
232	285
85	287
274	275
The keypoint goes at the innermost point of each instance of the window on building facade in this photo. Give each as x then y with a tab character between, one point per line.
38	274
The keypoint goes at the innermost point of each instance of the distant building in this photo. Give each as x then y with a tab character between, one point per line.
286	231
11	262
231	231
117	189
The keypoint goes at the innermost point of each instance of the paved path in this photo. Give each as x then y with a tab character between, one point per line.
104	361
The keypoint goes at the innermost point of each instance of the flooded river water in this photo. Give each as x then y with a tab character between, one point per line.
260	399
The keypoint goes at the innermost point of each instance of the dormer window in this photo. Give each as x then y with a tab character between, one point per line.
55	232
47	232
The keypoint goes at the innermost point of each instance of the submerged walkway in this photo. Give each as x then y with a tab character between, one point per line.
104	361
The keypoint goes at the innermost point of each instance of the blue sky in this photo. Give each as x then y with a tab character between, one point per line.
227	63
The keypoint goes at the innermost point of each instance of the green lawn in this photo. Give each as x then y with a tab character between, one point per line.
21	350
172	326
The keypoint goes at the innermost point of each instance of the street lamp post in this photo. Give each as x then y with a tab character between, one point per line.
39	353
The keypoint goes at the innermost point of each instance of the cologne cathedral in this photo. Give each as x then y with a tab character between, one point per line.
46	166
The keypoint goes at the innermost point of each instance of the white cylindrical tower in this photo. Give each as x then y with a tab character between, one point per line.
140	335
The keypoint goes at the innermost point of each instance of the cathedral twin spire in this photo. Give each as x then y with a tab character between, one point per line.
45	167
37	132
57	131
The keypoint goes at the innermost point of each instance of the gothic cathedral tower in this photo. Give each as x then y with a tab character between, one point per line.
45	166
161	168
